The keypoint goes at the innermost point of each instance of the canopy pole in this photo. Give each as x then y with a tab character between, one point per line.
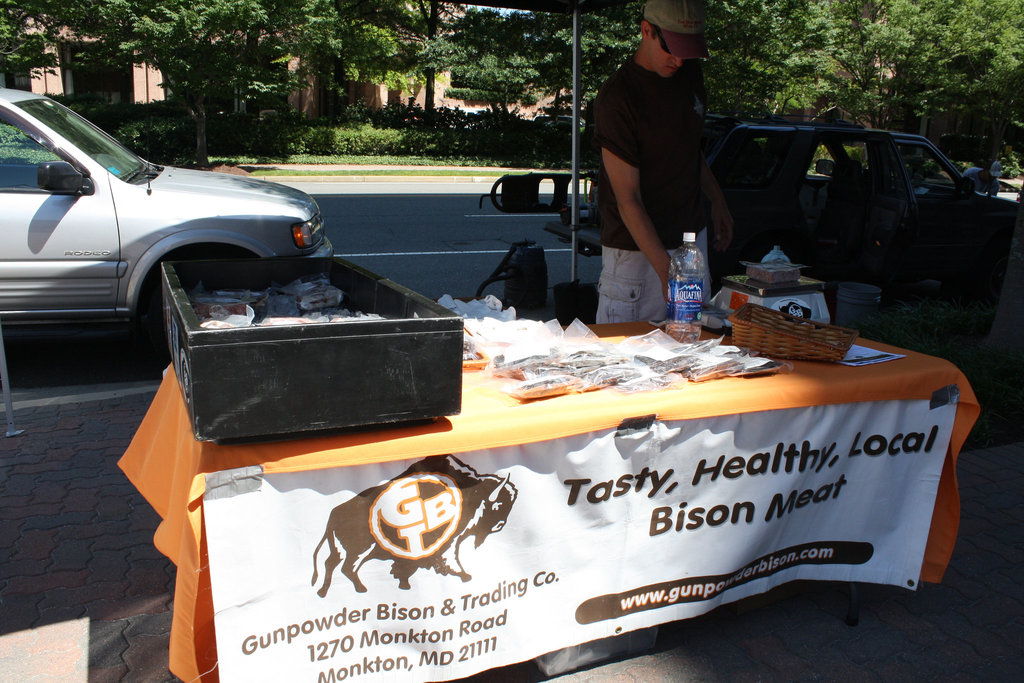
576	87
8	404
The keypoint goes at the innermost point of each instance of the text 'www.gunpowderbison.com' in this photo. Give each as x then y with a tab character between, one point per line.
698	588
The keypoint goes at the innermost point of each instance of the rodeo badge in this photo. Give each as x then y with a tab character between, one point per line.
417	520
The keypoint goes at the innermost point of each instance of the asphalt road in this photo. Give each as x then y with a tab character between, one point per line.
435	238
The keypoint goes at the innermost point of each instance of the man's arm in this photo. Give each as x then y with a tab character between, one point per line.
625	181
721	219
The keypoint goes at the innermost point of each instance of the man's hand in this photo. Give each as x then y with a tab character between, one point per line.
721	221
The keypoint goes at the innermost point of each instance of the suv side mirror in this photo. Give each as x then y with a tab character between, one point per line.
60	177
824	166
964	188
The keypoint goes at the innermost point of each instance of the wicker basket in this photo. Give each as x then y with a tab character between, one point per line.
780	335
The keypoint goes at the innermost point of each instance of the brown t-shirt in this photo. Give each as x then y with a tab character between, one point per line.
654	124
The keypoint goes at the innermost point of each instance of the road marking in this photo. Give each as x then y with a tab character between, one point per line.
81	394
441	253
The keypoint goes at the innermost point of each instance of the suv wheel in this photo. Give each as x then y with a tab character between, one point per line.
153	325
990	272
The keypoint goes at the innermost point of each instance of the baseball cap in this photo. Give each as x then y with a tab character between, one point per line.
682	25
996	169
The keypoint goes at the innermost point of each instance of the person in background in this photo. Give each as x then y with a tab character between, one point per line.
649	117
986	180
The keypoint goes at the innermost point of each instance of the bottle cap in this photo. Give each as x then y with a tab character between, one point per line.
689	237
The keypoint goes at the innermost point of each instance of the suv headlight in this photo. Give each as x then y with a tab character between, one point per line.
308	233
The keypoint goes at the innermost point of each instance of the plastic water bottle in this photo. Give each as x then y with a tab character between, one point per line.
685	291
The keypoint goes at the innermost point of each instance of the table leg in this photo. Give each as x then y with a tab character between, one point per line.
853	611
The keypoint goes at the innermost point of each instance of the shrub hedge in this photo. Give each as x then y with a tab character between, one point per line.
164	133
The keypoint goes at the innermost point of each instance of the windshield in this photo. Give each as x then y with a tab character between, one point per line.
103	149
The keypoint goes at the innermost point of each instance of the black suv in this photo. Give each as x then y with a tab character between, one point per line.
855	203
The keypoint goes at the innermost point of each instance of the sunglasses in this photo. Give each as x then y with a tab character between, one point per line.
661	38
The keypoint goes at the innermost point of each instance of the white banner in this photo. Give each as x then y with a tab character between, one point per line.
443	567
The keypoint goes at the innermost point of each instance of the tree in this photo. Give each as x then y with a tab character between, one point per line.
887	57
529	55
985	78
987	68
230	48
379	42
765	55
255	50
24	36
490	55
430	14
607	39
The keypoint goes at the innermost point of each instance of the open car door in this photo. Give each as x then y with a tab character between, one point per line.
889	227
864	224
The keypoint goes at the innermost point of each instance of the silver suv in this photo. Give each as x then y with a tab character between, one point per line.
86	222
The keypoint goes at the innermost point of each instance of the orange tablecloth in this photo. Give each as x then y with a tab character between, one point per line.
168	466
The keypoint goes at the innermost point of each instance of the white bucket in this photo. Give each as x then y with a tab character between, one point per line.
854	300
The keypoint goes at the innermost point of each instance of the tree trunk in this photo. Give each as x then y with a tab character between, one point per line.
1006	333
429	73
995	144
197	110
341	98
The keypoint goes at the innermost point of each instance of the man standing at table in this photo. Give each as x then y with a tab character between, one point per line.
648	120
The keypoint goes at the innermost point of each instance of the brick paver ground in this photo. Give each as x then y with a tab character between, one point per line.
84	595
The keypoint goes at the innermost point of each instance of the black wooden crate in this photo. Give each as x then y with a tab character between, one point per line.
257	383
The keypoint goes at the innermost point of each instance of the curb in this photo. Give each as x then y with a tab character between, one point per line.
53	396
376	178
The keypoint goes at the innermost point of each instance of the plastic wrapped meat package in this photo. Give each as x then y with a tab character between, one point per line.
541	361
308	299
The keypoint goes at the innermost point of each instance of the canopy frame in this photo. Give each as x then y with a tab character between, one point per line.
576	8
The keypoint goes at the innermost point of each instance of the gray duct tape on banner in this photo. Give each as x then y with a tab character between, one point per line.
945	396
631	425
231	483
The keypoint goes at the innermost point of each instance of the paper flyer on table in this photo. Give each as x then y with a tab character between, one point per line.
862	355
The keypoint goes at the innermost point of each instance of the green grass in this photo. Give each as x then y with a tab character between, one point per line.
388	172
377	161
956	332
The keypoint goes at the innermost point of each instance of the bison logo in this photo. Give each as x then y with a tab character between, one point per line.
417	520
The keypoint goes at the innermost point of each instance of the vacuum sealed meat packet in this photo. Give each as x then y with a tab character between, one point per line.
543	387
312	292
731	361
588	358
220	317
519	368
548	361
648	381
509	338
220	304
754	366
578	333
281	320
655	344
709	366
612	375
470	350
681	364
